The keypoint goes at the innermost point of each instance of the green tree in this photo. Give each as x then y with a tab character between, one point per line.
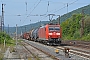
4	36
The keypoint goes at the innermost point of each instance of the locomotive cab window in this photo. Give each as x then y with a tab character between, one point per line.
57	28
51	28
54	28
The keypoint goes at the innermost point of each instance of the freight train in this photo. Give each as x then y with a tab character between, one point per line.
49	34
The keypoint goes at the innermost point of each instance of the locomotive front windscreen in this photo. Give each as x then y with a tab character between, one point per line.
54	28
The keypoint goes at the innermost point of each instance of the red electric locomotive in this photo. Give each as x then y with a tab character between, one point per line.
50	34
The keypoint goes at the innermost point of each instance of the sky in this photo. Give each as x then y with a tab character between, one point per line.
24	12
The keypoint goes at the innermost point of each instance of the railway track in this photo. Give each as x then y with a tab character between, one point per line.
73	53
79	48
32	55
40	54
78	44
85	46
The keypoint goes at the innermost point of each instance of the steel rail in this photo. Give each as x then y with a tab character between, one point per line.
34	56
76	51
53	57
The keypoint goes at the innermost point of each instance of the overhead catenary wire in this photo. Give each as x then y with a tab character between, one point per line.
59	9
45	14
65	6
73	2
32	11
34	8
56	11
26	12
34	4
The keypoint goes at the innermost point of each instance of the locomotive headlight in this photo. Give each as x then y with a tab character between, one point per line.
57	33
50	33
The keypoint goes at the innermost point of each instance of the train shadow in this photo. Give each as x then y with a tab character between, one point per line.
63	45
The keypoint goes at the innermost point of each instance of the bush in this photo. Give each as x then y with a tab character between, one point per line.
76	35
4	36
71	27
